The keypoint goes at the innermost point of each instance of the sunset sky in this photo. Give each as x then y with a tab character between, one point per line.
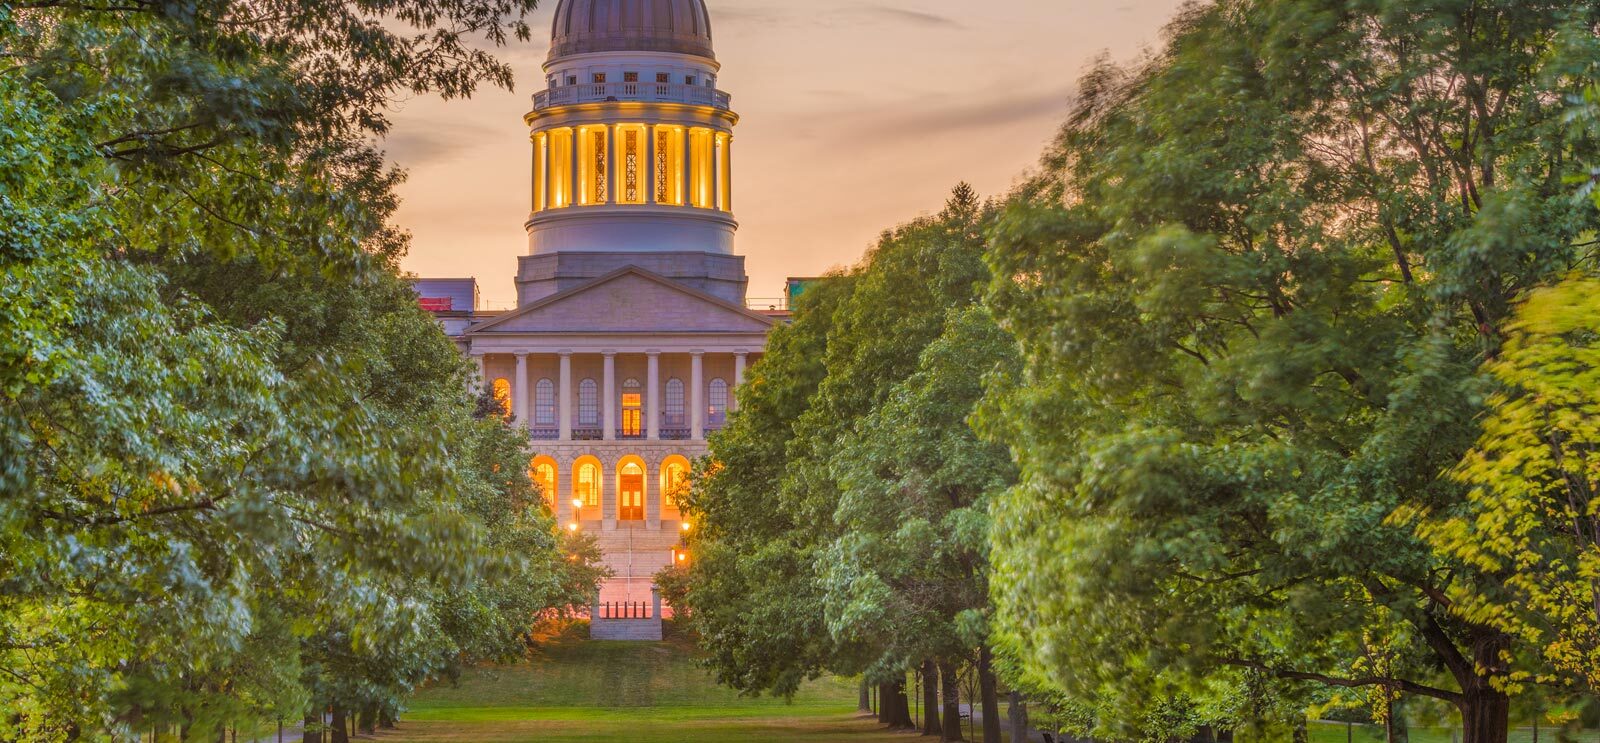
856	115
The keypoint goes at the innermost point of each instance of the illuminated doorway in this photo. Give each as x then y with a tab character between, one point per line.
630	496
632	410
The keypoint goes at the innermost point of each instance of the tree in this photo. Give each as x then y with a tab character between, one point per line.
241	477
831	579
1532	526
1253	285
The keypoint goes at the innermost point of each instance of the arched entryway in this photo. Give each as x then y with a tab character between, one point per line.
674	482
630	489
586	484
542	470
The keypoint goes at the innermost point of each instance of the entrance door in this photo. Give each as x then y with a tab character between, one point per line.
630	499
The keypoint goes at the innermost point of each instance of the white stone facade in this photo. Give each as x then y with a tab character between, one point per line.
631	332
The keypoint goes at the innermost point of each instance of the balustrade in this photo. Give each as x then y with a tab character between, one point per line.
651	92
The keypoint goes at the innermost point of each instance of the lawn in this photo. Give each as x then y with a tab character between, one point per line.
580	690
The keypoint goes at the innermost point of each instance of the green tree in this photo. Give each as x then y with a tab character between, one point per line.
817	580
1253	286
1533	526
241	477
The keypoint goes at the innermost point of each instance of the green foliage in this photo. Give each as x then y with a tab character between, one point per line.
1253	287
1531	526
841	523
241	476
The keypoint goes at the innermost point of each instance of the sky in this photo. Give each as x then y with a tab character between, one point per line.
856	115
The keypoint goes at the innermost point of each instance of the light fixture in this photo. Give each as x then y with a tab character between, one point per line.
577	503
686	526
572	527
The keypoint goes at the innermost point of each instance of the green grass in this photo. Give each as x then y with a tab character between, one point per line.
1335	733
578	690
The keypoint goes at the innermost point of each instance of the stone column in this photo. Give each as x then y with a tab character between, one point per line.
612	181
714	156
564	513
738	379
688	166
650	164
727	173
697	404
519	404
574	152
652	498
564	403
653	394
608	398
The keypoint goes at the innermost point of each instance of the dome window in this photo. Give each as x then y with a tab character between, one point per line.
630	77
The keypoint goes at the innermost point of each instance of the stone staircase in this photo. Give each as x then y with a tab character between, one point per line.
634	553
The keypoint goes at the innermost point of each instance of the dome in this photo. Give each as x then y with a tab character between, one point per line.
678	26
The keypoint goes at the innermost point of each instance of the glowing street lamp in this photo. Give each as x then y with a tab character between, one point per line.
686	526
573	527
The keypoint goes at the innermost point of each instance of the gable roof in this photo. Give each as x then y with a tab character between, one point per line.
629	300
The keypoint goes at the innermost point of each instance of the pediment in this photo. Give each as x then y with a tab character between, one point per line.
629	301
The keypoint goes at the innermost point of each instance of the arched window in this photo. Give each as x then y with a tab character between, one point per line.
586	484
588	403
674	477
502	395
544	476
674	411
632	407
718	409
544	403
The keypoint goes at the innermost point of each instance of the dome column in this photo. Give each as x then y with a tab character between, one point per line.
613	165
650	163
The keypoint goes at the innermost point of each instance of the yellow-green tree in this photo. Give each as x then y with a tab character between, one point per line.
1534	525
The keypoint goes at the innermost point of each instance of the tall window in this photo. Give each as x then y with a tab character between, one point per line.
718	409
632	407
588	403
675	402
502	395
631	191
586	486
676	476
599	77
630	77
544	475
663	166
600	166
544	403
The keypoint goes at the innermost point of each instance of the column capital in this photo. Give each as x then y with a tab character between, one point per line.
697	352
652	353
608	353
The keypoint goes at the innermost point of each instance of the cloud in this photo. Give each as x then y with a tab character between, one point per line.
441	139
902	16
767	16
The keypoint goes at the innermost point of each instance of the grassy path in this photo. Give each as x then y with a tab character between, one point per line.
577	690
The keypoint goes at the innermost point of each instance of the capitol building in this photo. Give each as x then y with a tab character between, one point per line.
631	330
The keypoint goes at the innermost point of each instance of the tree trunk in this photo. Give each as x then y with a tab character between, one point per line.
1017	715
930	698
313	729
989	694
882	700
369	719
341	733
950	688
865	703
1485	710
896	707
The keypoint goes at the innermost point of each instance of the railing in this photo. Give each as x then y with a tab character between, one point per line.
539	433
567	95
623	610
675	434
588	434
624	435
767	303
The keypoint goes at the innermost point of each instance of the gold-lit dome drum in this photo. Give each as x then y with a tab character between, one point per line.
632	140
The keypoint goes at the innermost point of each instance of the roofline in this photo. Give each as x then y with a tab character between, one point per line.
664	281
